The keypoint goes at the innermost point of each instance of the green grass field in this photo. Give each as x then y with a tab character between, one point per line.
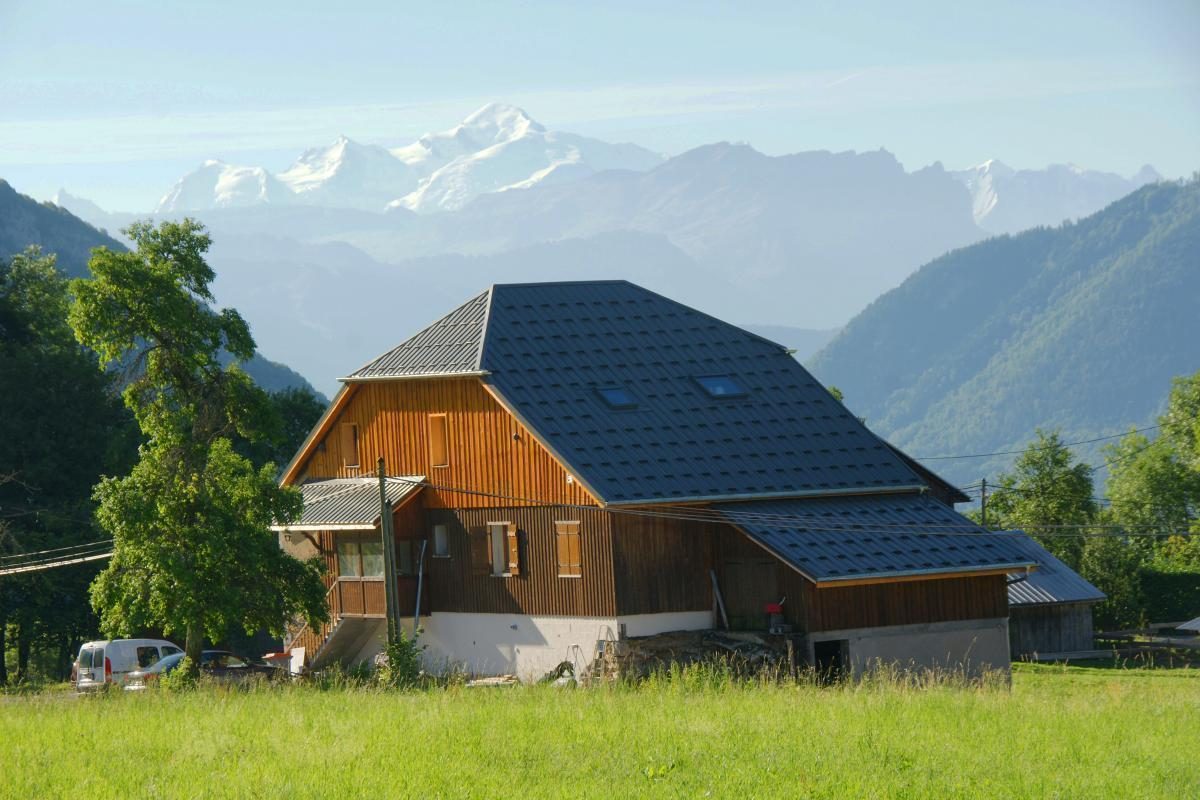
1086	733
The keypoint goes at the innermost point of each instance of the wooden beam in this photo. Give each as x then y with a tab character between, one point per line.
925	576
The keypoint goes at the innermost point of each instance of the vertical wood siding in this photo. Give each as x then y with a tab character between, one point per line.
489	451
906	603
662	565
455	585
1061	628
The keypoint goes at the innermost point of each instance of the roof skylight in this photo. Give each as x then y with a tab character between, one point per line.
617	397
720	386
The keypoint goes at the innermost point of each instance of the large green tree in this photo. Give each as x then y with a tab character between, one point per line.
1046	491
193	554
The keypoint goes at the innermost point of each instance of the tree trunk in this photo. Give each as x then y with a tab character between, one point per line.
193	647
3	645
24	647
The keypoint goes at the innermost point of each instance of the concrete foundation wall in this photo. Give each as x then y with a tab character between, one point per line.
511	644
969	646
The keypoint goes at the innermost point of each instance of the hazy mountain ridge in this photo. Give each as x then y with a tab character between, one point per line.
24	221
1053	327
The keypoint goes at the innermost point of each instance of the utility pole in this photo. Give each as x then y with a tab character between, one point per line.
389	558
983	503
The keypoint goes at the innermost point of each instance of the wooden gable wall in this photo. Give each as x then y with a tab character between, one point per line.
488	450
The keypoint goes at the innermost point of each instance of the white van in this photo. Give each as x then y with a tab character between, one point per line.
110	661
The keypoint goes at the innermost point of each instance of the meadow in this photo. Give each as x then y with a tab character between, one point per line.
1057	732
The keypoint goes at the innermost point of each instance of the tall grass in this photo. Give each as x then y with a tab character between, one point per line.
680	733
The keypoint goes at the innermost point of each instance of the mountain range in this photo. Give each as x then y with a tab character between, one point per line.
25	222
1079	327
496	148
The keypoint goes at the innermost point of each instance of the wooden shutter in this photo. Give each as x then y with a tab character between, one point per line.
439	453
567	546
349	444
514	550
481	551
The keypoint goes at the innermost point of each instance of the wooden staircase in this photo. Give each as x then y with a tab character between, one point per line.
339	639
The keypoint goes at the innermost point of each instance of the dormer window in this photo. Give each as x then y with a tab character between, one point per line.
617	397
720	386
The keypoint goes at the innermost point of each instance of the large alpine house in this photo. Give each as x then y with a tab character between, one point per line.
602	462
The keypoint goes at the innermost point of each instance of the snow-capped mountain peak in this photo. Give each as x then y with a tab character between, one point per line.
496	147
1007	200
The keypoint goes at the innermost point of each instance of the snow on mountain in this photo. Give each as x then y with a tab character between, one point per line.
349	174
216	184
499	147
1007	200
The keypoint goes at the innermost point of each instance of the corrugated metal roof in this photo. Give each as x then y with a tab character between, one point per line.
843	538
1191	625
1052	581
447	347
350	501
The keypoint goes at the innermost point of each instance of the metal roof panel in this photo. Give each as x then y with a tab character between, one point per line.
350	501
844	538
1052	581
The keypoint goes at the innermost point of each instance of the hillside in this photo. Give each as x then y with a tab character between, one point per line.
1079	327
24	221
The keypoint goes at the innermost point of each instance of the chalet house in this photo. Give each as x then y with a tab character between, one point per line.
583	462
1050	609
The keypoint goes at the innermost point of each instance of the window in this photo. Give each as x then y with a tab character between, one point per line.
404	557
439	455
566	540
146	656
617	397
504	548
441	542
720	386
360	558
349	444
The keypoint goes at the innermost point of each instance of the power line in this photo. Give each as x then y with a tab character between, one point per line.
55	550
1036	447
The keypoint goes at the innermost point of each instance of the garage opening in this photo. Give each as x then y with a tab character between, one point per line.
832	659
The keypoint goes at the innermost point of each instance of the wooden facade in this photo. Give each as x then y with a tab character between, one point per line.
484	467
486	451
1058	628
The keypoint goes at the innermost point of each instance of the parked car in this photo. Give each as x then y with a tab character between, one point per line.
111	661
220	665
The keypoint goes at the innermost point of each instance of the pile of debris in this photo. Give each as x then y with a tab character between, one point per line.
746	654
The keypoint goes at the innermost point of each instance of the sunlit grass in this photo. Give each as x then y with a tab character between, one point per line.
1057	733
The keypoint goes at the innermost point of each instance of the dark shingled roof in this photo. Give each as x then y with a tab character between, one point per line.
1052	582
844	538
349	501
548	348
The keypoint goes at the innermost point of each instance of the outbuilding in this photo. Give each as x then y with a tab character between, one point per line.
1050	609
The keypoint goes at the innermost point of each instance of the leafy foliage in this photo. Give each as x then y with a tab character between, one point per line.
193	553
1045	491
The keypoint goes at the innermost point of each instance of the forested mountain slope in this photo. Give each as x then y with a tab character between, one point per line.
24	221
1080	327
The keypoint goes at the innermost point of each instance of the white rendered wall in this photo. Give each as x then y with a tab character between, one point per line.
511	644
530	646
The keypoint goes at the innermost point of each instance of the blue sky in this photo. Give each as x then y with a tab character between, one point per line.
116	100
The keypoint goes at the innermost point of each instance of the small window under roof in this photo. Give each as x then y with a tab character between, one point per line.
617	397
720	386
